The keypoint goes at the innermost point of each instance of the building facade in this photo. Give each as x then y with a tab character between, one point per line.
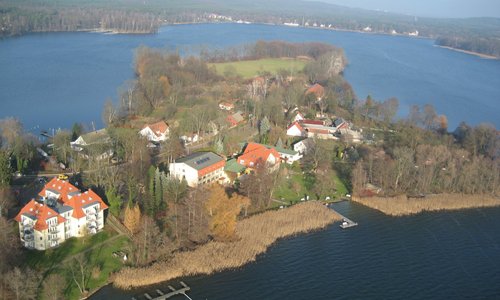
199	168
60	211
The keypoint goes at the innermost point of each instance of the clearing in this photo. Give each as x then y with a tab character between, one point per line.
252	68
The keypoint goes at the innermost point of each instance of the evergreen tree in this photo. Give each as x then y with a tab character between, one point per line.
5	170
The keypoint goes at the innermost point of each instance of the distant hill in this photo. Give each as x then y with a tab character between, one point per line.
140	16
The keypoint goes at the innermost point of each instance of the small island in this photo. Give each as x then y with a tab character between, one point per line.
207	160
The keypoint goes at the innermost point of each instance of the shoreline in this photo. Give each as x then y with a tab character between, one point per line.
403	206
256	233
481	55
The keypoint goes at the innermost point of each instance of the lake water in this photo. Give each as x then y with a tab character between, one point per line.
53	80
440	255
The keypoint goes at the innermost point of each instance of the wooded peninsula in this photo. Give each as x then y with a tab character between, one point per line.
206	161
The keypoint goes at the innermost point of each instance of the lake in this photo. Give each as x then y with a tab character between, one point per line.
51	80
427	256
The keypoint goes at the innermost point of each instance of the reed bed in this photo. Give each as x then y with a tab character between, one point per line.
255	234
402	205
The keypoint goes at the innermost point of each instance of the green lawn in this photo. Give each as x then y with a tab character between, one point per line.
292	188
97	252
252	68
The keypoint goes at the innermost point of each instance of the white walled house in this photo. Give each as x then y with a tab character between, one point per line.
199	168
60	212
295	130
157	132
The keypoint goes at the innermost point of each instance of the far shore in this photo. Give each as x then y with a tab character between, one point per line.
402	205
255	235
486	56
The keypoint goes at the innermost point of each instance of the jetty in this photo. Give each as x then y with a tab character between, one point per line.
347	223
173	292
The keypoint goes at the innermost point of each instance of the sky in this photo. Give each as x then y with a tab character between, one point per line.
429	8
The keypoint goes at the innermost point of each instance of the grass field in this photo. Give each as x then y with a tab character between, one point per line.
97	251
252	68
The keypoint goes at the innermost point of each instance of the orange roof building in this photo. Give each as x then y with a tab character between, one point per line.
318	90
255	154
60	212
156	132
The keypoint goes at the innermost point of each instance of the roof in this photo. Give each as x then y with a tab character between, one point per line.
232	165
255	153
286	151
318	90
313	122
40	213
297	124
70	197
237	116
98	136
337	122
200	160
158	128
61	187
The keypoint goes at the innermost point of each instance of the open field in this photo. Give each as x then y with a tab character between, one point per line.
252	68
256	234
401	205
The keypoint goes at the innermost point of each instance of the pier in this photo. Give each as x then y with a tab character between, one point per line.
173	292
347	223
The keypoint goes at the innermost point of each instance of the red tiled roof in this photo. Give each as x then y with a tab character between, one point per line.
211	168
318	90
255	153
313	122
158	128
61	187
297	124
41	213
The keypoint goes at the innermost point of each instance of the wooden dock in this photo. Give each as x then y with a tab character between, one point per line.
173	292
347	223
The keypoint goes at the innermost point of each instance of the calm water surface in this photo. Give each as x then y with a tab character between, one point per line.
53	80
441	255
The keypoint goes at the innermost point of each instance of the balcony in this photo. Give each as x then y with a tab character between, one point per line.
53	237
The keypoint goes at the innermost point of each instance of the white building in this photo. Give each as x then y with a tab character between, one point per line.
199	168
61	212
157	132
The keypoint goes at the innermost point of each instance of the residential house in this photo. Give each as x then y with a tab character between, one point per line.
226	106
199	168
255	154
303	146
60	211
299	117
317	90
235	118
97	143
295	129
157	132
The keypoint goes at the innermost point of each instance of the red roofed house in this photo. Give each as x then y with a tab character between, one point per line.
156	132
235	118
295	129
255	154
61	212
318	90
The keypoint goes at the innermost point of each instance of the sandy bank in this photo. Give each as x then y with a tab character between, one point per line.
401	205
256	234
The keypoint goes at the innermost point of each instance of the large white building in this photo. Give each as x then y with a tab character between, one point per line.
199	168
60	212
